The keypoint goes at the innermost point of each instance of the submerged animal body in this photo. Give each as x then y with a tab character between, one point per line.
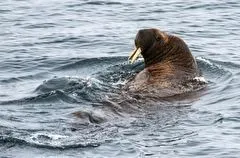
170	68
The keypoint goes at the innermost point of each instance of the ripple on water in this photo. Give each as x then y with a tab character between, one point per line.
63	64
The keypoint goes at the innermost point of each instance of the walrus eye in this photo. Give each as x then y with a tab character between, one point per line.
157	38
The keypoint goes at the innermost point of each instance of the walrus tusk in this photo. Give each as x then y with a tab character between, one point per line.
134	55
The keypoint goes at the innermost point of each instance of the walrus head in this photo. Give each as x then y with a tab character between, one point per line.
157	46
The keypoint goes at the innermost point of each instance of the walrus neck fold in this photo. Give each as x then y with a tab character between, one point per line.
153	56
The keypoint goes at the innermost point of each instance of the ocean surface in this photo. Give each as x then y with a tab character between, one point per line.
63	64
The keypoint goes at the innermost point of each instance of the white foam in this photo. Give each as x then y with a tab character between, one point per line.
50	139
205	60
120	82
50	136
200	79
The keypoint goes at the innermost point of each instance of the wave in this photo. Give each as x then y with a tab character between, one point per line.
212	70
95	3
89	62
48	141
105	77
24	78
103	3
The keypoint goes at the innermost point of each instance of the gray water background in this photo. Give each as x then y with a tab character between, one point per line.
61	57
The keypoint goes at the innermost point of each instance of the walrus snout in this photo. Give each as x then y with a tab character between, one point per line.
144	40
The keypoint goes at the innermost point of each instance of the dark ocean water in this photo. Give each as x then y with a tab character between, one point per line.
63	63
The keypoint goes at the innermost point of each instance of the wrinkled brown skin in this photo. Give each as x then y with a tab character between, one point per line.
169	64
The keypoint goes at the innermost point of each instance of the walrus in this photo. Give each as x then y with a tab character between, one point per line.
170	67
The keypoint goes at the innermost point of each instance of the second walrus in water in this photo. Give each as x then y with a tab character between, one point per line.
170	68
